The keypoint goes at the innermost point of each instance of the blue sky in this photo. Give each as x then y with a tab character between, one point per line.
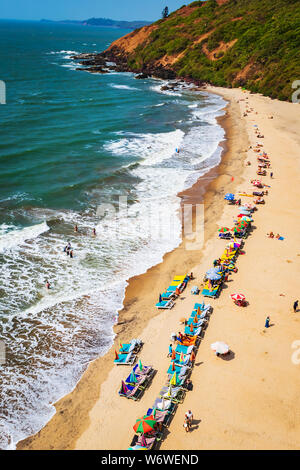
83	9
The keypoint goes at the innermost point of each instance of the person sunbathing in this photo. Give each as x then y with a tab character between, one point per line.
270	235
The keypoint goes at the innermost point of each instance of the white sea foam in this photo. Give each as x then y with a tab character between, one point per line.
123	87
11	239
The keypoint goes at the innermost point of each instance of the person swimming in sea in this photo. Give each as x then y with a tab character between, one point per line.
48	286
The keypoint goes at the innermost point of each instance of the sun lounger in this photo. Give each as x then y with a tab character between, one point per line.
135	346
168	295
184	349
125	359
180	370
133	393
210	293
142	381
176	394
200	322
142	443
165	304
194	332
163	417
147	370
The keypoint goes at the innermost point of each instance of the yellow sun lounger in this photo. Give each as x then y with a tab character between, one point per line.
179	278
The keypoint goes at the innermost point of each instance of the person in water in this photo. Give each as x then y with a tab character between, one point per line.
48	285
71	253
76	228
94	232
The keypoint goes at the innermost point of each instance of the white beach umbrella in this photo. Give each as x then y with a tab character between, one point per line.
220	347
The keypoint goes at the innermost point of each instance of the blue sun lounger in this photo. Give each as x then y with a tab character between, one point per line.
180	370
168	295
195	332
125	359
180	348
210	293
198	324
165	304
128	347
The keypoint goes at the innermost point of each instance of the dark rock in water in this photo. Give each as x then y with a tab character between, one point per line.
141	76
93	69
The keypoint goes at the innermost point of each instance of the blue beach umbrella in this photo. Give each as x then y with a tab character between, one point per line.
213	276
229	197
212	271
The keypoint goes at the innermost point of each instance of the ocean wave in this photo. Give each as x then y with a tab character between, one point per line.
123	87
13	238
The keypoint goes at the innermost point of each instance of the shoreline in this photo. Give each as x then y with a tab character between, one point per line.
252	400
204	190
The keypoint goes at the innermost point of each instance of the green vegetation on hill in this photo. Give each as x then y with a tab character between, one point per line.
251	43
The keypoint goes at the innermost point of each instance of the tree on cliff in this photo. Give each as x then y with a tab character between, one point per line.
165	12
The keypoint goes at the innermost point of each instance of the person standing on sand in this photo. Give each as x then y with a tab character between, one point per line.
170	351
295	306
267	323
271	174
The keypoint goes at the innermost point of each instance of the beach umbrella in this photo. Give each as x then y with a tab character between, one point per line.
140	365
195	319
237	296
144	424
213	276
191	328
215	270
224	230
198	311
169	392
133	378
181	357
159	298
229	197
247	219
220	347
173	366
248	206
173	380
173	354
154	412
237	229
116	355
124	387
193	356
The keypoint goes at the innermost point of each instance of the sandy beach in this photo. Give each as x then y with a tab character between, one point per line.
248	402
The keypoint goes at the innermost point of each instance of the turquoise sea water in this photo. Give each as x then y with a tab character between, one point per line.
71	141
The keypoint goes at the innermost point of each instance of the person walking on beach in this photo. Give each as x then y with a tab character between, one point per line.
295	306
267	323
271	174
188	419
170	351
